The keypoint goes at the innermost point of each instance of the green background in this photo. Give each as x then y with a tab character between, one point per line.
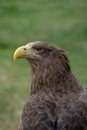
59	22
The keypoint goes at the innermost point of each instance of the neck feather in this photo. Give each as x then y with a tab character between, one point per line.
53	77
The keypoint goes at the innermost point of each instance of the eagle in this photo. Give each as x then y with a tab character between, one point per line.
57	100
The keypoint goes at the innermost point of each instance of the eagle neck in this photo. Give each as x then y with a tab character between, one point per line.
52	79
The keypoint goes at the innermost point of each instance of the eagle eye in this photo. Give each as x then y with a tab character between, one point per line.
39	50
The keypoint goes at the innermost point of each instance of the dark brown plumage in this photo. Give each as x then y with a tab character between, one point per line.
57	101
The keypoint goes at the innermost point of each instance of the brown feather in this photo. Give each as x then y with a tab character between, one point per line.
57	101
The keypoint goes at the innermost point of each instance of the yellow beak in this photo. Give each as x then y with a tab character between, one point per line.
21	52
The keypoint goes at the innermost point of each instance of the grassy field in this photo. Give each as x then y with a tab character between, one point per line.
60	22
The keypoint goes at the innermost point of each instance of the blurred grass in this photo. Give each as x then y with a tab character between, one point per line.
63	23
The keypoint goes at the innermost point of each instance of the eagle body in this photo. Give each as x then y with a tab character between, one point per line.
57	101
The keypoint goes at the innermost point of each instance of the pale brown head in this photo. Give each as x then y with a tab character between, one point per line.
41	54
34	50
40	51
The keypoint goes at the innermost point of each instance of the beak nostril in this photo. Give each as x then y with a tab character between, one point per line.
25	49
